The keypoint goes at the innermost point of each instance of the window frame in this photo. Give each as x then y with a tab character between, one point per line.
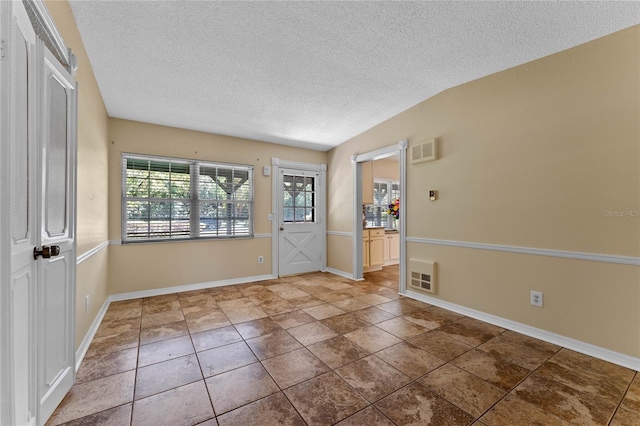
387	222
293	192
194	200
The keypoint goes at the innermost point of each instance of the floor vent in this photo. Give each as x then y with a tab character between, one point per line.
423	151
422	275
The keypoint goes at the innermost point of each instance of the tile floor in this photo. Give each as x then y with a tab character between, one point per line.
319	349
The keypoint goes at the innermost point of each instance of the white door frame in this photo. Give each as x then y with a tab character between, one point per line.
357	159
277	164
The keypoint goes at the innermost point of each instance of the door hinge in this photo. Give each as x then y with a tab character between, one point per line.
3	55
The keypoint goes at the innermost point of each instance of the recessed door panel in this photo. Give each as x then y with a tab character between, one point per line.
22	292
55	304
56	160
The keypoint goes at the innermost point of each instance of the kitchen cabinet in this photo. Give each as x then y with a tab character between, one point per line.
373	242
391	248
367	183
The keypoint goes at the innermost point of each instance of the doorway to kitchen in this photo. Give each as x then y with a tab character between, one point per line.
360	216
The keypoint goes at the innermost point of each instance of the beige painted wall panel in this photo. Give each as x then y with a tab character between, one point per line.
91	279
339	253
542	155
134	267
386	169
148	266
536	155
595	302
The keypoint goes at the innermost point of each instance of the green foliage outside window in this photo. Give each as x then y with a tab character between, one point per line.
169	199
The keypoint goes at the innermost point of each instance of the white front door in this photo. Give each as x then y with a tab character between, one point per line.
300	244
56	274
38	117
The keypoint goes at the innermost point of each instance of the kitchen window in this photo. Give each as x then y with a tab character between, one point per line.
176	199
384	192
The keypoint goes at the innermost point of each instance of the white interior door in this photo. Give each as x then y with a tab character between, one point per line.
23	229
56	269
37	114
300	244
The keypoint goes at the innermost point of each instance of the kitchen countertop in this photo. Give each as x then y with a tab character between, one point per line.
386	231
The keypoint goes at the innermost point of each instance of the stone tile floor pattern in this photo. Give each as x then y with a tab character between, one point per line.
318	349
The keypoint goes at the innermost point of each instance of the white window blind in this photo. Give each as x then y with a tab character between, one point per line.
170	198
384	192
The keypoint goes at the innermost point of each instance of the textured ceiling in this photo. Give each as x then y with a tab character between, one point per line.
314	74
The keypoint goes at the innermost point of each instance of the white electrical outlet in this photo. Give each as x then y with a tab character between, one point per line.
260	259
86	303
537	298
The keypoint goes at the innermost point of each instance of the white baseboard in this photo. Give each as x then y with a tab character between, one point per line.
557	339
86	342
188	287
342	274
569	343
88	338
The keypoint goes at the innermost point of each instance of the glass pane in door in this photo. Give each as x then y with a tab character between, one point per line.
56	197
298	199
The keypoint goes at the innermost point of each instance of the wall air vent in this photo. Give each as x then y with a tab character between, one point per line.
422	275
423	151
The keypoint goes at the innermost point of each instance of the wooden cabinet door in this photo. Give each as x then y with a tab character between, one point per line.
394	246
365	252
376	250
387	240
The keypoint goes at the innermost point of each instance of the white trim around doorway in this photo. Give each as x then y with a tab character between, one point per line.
357	159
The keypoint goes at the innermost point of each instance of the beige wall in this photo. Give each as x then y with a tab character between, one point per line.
339	252
532	157
92	195
386	169
136	267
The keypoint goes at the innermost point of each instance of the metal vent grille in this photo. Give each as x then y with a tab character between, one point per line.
422	275
420	280
423	151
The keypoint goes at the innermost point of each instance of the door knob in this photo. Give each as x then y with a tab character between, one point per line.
282	228
46	252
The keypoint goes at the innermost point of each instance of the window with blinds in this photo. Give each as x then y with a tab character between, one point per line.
384	193
172	199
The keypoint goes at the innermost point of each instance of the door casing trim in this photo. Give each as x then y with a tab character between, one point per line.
357	159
